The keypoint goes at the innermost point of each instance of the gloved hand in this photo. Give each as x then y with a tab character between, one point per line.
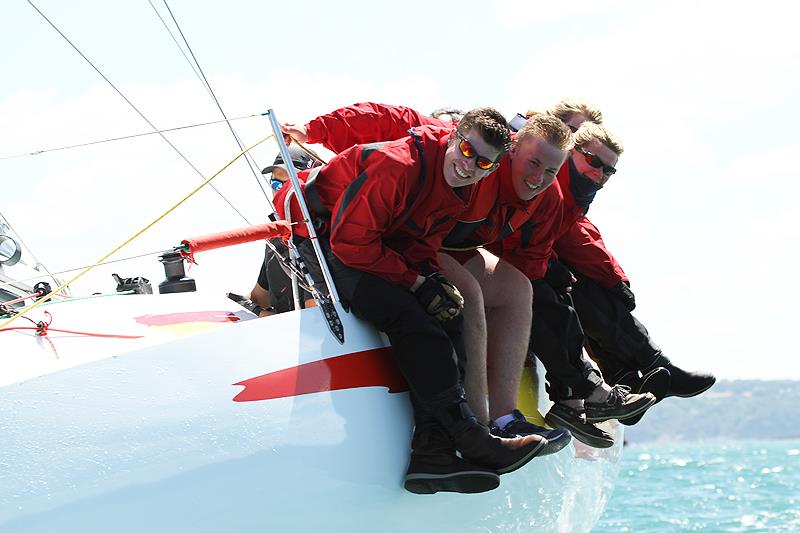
623	292
559	277
438	297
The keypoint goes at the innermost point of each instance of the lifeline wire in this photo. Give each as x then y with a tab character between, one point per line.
11	283
137	110
90	143
150	225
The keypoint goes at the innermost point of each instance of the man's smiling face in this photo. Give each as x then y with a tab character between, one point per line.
460	170
534	165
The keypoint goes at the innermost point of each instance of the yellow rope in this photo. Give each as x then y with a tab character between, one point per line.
118	248
309	152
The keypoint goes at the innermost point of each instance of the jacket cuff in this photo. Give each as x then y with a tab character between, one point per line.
315	132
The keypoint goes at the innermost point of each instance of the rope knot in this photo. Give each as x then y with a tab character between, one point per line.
41	326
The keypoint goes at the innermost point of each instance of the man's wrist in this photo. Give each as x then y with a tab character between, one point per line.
417	283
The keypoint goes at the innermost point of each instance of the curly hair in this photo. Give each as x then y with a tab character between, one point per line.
490	124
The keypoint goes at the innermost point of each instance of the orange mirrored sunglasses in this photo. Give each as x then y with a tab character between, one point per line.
468	151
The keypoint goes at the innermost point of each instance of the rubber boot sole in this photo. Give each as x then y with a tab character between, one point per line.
465	482
578	431
656	382
557	443
534	452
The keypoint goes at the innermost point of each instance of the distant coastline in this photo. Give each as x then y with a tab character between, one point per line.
732	409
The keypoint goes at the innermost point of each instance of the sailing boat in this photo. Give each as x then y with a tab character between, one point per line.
181	410
133	411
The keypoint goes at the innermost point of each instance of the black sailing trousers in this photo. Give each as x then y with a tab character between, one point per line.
557	340
429	353
619	343
426	349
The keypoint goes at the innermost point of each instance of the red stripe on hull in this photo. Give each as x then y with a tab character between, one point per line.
370	368
190	316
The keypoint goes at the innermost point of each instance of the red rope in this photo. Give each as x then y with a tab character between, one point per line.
43	327
37	294
22	299
43	331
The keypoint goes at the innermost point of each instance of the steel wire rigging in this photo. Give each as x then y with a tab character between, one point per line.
131	104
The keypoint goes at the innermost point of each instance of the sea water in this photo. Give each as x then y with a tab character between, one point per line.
706	486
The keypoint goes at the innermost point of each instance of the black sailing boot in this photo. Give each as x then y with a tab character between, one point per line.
473	439
683	384
435	467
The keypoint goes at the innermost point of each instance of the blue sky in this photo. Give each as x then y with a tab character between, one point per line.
701	212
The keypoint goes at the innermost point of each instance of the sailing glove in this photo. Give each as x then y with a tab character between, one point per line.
439	297
623	292
559	277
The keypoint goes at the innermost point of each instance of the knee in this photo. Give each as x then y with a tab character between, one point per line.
472	293
516	286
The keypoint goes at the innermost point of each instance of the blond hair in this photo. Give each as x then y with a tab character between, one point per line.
448	113
548	128
567	108
589	131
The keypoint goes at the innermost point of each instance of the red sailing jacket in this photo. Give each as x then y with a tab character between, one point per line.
390	204
495	212
571	210
365	122
369	122
499	212
579	242
529	245
582	247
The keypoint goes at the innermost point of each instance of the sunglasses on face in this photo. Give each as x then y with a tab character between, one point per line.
276	184
468	151
596	162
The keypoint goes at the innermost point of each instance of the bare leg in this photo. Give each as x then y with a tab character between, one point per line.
474	334
261	297
507	298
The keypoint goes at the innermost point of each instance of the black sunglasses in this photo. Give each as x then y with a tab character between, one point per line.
596	162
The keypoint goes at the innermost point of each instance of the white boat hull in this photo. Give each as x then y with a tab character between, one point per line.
110	434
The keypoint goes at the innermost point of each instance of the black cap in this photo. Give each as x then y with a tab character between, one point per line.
300	160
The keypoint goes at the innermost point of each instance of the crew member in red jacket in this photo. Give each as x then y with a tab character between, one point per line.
388	207
582	396
527	198
602	297
498	297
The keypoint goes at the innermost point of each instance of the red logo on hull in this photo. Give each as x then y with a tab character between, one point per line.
370	368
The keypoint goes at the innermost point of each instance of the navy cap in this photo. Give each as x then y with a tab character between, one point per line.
300	160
